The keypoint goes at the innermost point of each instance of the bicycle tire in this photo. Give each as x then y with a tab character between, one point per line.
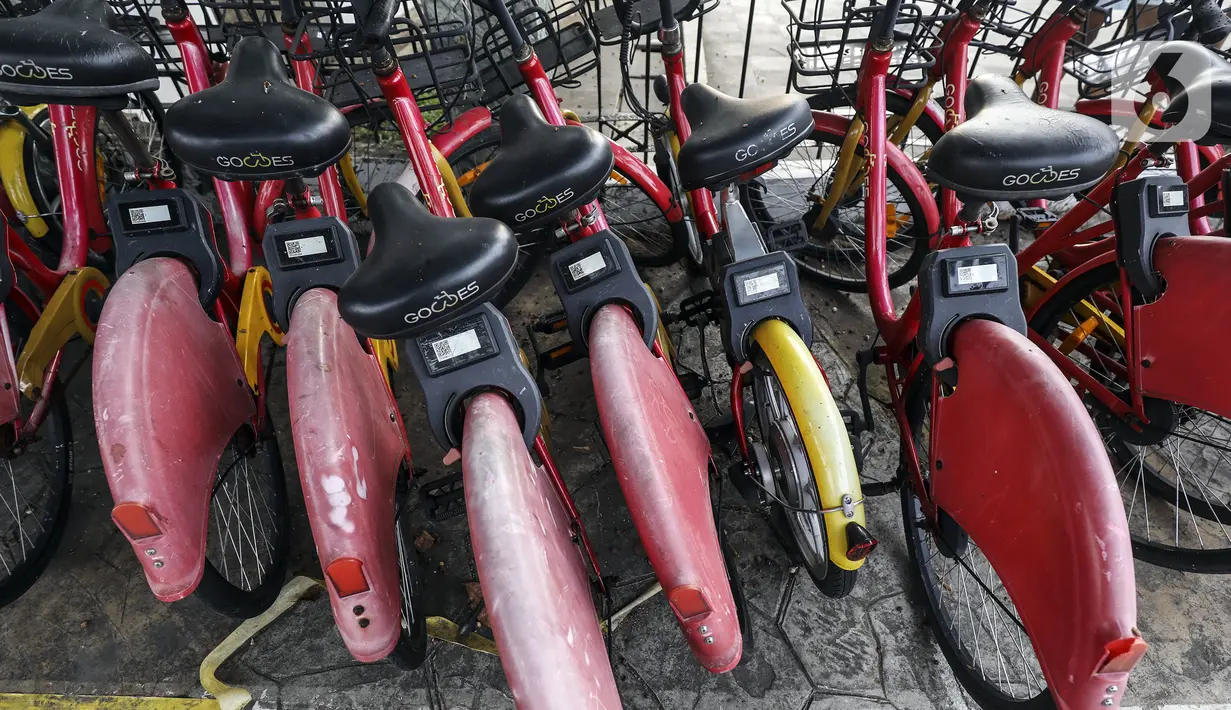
1192	518
411	649
17	578
218	589
929	590
818	260
831	580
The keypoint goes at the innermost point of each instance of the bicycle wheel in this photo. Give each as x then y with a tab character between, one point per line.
248	543
36	482
834	254
144	114
1175	476
411	649
779	444
969	611
636	218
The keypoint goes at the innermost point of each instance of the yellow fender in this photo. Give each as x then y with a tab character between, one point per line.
64	317
821	427
13	172
254	322
387	355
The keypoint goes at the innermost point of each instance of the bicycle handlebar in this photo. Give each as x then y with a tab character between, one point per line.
888	17
1211	22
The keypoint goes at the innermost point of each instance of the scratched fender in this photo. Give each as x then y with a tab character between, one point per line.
661	458
1025	474
169	393
349	445
533	576
1188	320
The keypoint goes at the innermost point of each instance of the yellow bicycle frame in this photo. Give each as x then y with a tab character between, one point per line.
822	429
13	172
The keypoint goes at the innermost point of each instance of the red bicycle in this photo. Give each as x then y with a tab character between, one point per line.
68	297
986	418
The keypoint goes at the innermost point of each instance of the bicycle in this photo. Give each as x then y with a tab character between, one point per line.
796	456
71	293
658	447
964	453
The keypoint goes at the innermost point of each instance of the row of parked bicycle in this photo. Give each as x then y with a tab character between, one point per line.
1049	401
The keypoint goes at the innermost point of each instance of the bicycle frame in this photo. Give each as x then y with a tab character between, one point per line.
1092	644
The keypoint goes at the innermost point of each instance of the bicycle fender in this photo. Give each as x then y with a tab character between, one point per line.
1169	332
13	174
1020	466
661	459
821	426
349	445
169	393
534	580
899	163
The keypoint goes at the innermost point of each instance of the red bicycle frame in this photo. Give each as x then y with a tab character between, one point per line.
1092	644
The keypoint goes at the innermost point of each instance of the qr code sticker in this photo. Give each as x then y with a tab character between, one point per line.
138	216
294	249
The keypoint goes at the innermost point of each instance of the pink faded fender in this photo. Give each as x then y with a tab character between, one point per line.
661	457
349	445
169	393
1022	469
533	576
1176	333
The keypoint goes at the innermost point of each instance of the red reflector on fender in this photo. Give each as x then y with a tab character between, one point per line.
346	573
688	602
859	542
1122	655
135	521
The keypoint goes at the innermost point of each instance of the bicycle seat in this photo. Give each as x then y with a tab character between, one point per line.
424	269
542	172
256	124
1195	74
68	54
731	137
1010	148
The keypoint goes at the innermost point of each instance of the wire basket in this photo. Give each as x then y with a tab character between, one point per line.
1113	52
561	36
827	42
1007	28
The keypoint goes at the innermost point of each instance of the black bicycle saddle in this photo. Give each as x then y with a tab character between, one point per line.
256	124
424	269
542	172
67	53
1010	148
733	136
1200	78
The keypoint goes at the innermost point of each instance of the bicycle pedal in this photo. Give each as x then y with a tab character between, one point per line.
443	498
786	236
864	359
551	323
854	427
696	310
1036	218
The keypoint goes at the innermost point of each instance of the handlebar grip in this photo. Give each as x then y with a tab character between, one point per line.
379	21
1211	22
885	21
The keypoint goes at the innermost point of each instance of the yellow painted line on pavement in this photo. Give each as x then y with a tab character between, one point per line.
23	701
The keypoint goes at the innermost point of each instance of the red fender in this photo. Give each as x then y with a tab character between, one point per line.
899	163
661	457
1189	319
1025	474
169	392
533	576
349	445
